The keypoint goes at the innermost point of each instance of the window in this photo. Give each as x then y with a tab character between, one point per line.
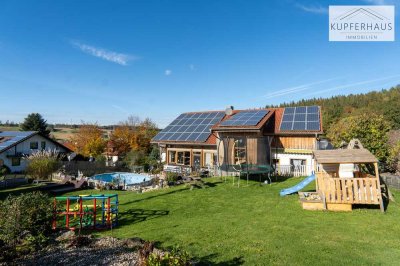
179	157
196	159
172	157
210	159
187	158
183	157
297	164
43	145
15	161
240	151
34	145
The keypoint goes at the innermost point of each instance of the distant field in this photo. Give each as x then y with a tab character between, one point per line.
63	133
60	133
9	128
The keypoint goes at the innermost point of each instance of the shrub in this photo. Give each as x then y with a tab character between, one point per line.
42	164
176	257
25	218
4	170
172	177
394	158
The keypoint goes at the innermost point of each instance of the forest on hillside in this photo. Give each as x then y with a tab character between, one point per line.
373	118
384	102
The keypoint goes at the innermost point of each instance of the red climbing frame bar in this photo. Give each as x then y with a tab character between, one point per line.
94	213
108	211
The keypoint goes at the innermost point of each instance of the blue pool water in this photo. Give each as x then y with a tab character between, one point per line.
129	178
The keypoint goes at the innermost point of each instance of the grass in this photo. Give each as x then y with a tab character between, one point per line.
253	225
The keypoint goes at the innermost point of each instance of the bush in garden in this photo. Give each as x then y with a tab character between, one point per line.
42	164
172	177
25	220
4	170
176	257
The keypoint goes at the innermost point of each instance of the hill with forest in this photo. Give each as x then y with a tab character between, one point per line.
335	108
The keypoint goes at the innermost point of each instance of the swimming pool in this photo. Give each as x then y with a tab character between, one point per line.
125	178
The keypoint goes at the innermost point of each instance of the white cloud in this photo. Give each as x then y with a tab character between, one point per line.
118	58
295	89
337	88
315	9
168	72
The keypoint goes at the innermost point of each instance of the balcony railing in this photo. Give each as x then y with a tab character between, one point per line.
292	170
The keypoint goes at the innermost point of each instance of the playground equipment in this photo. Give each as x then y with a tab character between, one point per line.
298	186
341	186
86	211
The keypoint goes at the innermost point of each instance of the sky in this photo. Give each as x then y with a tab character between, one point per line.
101	61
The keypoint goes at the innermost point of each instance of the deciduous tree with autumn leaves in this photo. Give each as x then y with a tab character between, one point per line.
130	136
89	140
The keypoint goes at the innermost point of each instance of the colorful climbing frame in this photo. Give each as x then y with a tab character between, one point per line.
86	212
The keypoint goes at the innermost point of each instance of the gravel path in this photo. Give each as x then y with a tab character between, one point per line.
102	251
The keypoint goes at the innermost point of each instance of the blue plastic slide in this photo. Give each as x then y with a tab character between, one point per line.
297	187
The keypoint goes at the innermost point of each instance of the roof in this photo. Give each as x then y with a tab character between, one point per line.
10	139
210	140
344	156
273	114
278	120
258	126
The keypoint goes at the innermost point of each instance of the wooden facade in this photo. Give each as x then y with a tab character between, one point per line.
294	142
242	148
192	156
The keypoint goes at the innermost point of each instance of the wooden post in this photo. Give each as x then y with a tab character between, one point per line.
379	187
67	218
54	213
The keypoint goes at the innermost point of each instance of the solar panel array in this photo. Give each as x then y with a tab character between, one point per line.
245	118
8	138
303	118
192	127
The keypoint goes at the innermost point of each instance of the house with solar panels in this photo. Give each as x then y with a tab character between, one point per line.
225	141
14	145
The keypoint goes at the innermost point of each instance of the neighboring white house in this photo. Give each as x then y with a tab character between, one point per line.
14	145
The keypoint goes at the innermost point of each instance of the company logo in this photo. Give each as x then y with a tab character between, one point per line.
361	23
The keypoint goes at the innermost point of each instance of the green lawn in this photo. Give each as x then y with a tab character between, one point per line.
253	225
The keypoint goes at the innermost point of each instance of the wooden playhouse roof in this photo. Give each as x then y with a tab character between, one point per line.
344	156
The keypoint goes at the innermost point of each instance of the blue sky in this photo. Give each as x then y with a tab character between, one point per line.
100	61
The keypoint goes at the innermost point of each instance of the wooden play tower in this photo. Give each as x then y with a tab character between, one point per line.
346	177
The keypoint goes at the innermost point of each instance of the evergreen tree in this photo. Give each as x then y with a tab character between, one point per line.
35	122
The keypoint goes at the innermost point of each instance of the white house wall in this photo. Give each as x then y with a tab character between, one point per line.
284	160
24	148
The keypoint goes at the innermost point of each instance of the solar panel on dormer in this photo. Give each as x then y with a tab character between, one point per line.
190	127
302	118
245	118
